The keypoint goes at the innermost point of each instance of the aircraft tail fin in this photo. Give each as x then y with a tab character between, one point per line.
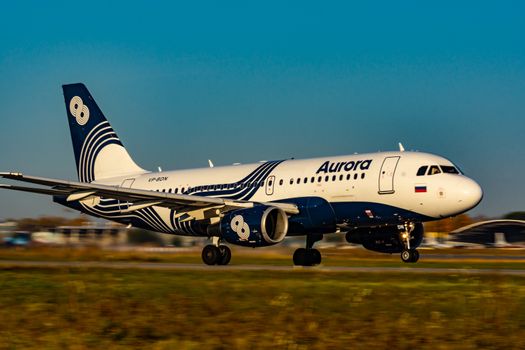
99	153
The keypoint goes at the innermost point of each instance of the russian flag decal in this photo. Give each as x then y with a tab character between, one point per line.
421	188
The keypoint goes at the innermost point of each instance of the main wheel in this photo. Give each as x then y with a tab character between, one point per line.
211	255
299	257
316	256
225	255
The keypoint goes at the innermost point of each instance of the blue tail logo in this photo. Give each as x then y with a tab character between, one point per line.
99	153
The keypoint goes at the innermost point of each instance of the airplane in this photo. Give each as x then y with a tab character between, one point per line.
378	200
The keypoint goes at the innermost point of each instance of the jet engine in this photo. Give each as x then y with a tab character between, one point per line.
384	239
259	226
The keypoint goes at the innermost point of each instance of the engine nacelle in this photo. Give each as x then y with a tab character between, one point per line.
259	226
384	239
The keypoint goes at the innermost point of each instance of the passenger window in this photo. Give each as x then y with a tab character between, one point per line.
341	177
298	181
422	171
291	181
305	180
261	184
326	178
182	191
355	176
270	183
362	175
176	190
281	182
333	178
348	176
312	180
319	179
434	169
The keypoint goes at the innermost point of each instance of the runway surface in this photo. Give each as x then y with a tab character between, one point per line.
5	264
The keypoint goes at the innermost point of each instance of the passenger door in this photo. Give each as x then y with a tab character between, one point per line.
386	175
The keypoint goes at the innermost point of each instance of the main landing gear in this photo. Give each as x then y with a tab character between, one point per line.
216	254
408	255
308	256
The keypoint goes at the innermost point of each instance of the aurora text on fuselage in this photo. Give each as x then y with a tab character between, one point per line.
329	167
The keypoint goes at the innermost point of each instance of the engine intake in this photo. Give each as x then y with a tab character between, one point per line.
259	226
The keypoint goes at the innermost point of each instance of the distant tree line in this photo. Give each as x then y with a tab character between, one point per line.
516	215
48	222
451	224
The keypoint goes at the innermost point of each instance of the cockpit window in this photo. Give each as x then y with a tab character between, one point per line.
422	171
434	169
448	169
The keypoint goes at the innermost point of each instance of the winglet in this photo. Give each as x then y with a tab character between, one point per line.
401	148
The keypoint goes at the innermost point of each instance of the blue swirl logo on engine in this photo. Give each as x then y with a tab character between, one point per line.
240	227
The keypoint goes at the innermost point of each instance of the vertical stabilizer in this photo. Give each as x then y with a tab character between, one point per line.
99	153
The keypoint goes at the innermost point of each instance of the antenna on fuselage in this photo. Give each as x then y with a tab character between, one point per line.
210	163
160	169
401	148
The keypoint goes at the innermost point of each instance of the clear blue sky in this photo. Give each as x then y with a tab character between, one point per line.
243	81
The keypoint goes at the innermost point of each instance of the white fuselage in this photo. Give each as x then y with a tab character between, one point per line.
364	189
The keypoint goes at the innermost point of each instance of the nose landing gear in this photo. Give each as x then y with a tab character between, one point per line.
408	255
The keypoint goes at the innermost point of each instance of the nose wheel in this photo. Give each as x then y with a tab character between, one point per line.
408	255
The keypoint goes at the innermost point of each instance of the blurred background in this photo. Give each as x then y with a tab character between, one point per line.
240	82
234	81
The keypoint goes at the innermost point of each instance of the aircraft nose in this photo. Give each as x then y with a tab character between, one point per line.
470	193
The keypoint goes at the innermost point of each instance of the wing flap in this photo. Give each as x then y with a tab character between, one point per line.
180	202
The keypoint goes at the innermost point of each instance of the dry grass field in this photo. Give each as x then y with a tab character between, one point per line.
90	308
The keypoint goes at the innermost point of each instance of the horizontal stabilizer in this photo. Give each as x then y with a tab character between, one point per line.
48	191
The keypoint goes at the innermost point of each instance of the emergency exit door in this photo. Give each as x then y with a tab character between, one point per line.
386	175
123	205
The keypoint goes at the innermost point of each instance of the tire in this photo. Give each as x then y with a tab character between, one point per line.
299	257
225	255
316	257
415	256
406	256
211	255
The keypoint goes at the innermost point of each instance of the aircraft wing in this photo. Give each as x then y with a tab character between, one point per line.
75	191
